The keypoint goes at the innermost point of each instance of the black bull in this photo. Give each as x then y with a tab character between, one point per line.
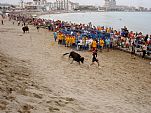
75	56
25	29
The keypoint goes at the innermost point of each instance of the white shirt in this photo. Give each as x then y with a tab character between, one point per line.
144	47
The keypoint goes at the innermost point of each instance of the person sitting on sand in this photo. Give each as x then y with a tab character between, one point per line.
94	58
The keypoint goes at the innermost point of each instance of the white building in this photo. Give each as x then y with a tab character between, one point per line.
40	2
65	5
110	3
4	7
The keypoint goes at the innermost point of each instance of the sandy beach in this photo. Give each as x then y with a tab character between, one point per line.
35	78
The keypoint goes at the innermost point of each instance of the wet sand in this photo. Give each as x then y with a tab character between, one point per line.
35	78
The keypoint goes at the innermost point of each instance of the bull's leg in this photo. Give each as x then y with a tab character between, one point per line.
69	57
72	62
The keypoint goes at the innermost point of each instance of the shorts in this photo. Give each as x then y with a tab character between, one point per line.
93	48
94	59
101	47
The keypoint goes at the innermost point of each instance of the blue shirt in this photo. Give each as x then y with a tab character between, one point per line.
107	41
55	34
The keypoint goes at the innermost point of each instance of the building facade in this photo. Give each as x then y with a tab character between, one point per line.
65	5
39	2
61	5
5	7
110	3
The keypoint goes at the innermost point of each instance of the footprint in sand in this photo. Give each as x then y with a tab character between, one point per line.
3	105
52	109
25	109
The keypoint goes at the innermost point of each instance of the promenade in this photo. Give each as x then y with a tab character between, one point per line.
35	78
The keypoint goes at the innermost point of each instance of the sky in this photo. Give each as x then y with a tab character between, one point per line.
145	3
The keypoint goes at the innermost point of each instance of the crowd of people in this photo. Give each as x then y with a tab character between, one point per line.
89	37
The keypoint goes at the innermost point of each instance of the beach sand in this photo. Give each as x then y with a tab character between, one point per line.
35	78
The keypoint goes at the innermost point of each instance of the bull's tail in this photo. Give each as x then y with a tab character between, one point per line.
66	54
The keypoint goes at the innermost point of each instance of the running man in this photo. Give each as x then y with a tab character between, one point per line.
94	58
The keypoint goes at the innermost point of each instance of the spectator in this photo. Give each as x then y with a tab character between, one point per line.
144	49
107	42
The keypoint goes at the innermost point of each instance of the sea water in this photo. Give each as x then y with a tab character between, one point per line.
135	21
